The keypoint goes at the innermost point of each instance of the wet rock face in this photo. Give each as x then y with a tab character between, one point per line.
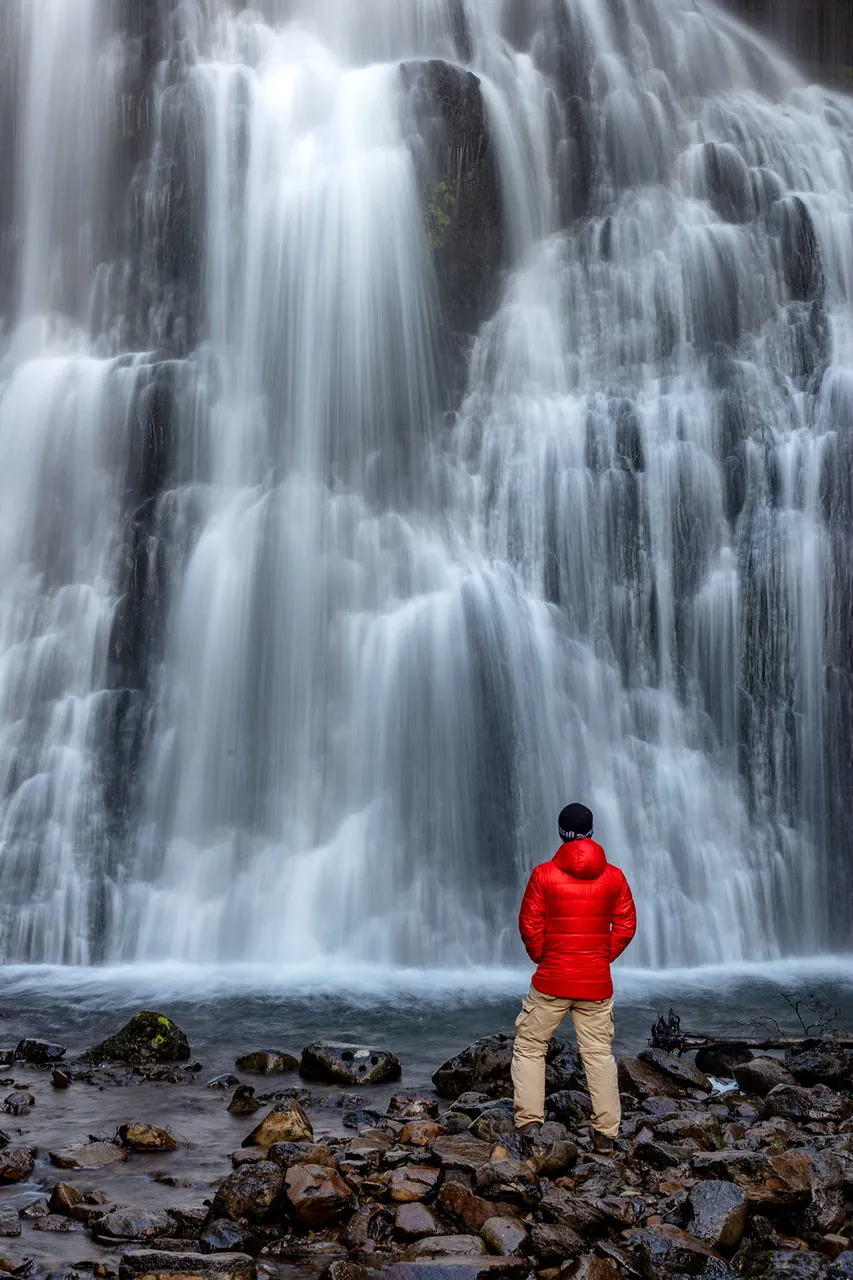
445	120
822	1062
348	1064
484	1068
148	1038
90	1155
39	1052
150	1264
665	1251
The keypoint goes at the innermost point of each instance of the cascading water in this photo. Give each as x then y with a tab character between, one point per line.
412	416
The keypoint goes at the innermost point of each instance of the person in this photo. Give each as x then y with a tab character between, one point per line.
576	917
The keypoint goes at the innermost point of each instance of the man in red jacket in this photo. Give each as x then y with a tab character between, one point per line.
576	917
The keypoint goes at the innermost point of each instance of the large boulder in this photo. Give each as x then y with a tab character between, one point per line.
316	1194
447	127
770	1181
469	1211
287	1122
348	1064
148	1038
795	1102
821	1062
251	1194
124	1225
718	1213
483	1067
506	1237
89	1155
413	1182
554	1242
16	1164
144	1138
39	1052
643	1080
761	1075
666	1251
679	1070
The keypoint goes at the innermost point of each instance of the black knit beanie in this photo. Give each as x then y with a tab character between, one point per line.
575	822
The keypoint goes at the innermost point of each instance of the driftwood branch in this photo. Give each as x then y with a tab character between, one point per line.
667	1034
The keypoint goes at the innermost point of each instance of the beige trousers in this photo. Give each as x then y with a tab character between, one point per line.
540	1017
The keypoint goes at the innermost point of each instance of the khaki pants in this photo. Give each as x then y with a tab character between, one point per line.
540	1017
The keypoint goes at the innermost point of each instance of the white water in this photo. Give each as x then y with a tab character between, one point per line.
384	646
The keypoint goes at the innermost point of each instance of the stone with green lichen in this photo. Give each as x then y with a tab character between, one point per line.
147	1039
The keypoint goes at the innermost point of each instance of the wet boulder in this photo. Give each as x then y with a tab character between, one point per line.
251	1194
243	1101
509	1180
720	1060
148	1038
462	1151
222	1236
415	1221
591	1267
19	1103
267	1062
446	1247
420	1133
40	1053
469	1211
89	1155
682	1073
226	1081
505	1237
412	1106
494	1121
554	1243
413	1182
569	1106
10	1221
790	1264
482	1067
568	1209
16	1164
795	1102
316	1194
64	1197
821	1062
287	1154
761	1075
718	1214
348	1064
151	1264
665	1251
143	1138
770	1181
286	1122
123	1225
448	133
643	1080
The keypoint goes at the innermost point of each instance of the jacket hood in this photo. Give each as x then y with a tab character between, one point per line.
583	859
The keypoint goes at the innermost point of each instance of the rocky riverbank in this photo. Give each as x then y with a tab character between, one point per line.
333	1172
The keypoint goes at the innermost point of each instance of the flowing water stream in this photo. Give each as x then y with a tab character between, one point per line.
332	564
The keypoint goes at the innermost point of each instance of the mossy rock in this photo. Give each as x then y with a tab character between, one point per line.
147	1039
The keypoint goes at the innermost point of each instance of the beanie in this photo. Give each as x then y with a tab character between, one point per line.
575	822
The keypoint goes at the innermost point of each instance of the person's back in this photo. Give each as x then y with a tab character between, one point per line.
577	916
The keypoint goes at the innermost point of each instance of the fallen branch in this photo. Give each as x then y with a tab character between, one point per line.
667	1034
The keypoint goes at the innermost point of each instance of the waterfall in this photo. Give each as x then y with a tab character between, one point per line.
414	416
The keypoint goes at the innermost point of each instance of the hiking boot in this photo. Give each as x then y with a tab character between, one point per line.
604	1146
532	1130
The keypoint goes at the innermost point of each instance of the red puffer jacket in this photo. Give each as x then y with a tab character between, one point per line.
576	917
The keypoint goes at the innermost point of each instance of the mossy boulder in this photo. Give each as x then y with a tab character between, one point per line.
148	1038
